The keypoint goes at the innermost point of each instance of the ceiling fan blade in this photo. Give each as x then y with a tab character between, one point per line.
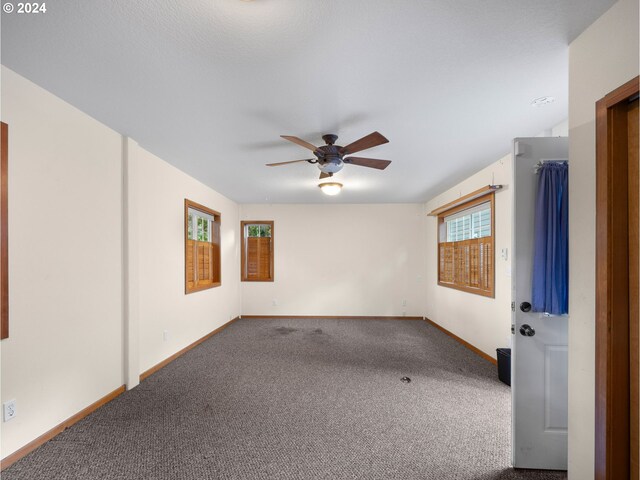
325	175
368	162
286	163
300	142
372	140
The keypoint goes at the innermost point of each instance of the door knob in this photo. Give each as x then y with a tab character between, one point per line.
525	307
527	331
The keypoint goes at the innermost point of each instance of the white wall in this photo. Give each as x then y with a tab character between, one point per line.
483	322
64	351
160	190
68	336
341	260
601	59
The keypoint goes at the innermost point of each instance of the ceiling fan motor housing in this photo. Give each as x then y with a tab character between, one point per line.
330	160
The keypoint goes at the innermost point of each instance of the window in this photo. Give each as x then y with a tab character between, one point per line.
474	222
466	247
257	251
201	247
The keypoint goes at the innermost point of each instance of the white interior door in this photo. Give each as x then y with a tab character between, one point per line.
539	347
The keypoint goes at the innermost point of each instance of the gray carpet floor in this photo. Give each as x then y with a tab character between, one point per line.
300	399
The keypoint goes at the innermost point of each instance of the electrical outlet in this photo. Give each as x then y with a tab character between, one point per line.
9	410
165	335
404	303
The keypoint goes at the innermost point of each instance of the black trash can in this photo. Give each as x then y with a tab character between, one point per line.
504	365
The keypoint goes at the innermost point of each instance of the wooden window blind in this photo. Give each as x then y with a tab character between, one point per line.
257	251
202	247
466	246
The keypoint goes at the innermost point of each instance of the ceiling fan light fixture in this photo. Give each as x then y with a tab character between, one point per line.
330	188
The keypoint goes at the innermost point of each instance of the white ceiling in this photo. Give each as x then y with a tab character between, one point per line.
209	85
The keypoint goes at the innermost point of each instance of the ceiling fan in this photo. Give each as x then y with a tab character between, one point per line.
330	158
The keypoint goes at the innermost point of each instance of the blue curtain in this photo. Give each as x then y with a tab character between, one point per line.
550	291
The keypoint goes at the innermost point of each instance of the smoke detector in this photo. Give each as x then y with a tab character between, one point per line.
540	101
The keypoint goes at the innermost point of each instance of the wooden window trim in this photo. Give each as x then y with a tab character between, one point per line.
243	264
218	218
461	203
4	236
487	197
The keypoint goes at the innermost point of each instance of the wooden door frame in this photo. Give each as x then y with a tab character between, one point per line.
4	231
613	428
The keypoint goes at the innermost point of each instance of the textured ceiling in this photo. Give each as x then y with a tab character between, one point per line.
209	85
